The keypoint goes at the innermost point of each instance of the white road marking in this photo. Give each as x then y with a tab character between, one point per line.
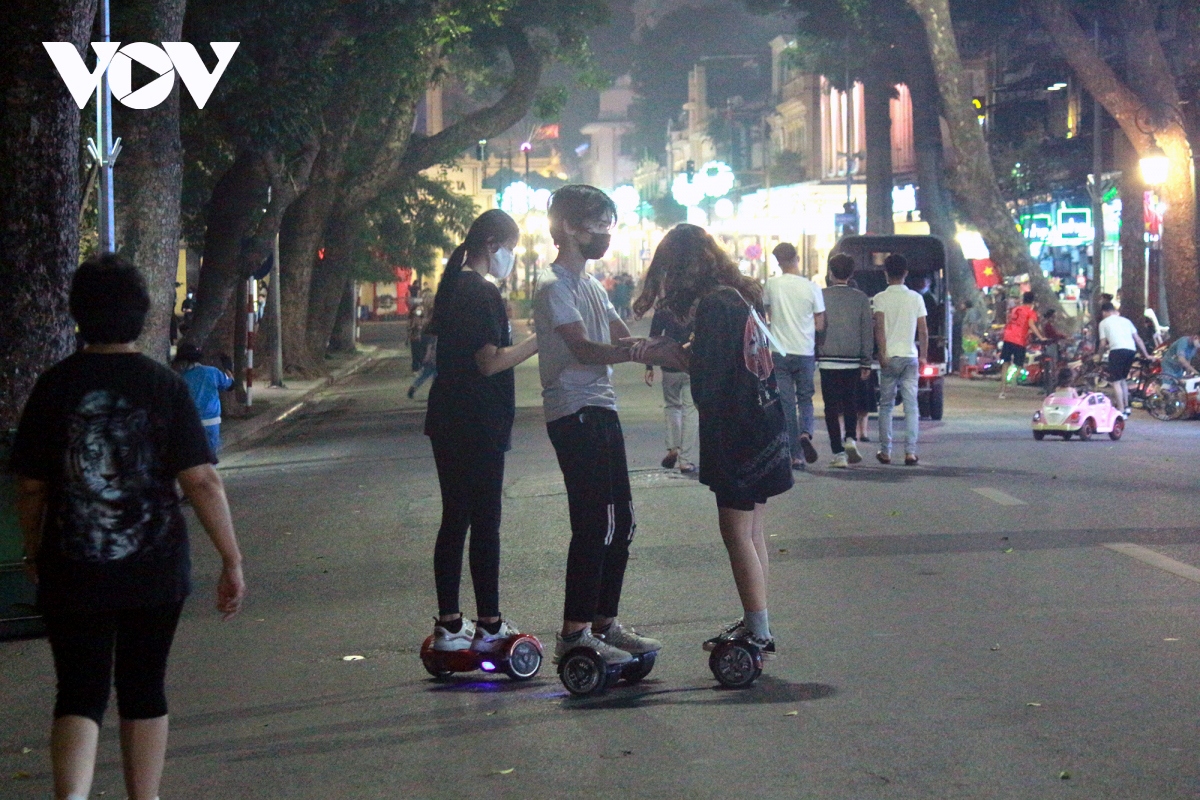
1148	556
997	496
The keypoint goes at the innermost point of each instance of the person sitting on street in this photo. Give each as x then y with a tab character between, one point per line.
1177	359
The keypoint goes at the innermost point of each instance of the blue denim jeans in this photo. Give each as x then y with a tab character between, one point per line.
794	374
901	371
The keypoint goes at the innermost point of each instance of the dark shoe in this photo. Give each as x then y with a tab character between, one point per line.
810	452
797	465
910	460
883	457
412	390
669	461
864	438
688	469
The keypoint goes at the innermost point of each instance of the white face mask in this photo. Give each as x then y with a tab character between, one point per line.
500	264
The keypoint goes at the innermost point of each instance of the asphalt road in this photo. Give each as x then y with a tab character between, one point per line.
962	629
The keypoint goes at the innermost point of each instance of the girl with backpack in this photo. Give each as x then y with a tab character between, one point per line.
744	452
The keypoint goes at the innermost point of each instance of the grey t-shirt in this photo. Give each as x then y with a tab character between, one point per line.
562	298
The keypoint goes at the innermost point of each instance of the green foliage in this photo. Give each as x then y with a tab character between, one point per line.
549	102
406	227
668	212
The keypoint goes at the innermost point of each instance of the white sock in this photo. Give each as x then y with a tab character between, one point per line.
756	621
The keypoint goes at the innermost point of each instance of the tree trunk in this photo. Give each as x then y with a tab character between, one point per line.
1133	240
970	307
233	212
973	179
328	284
1153	107
342	338
300	237
877	99
149	176
39	194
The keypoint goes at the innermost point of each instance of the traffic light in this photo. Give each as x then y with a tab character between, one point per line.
691	170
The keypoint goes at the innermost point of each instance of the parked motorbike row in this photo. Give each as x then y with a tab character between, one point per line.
1162	396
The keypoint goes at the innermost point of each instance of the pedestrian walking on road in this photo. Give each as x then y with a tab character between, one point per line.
428	364
578	332
845	359
469	424
744	453
1120	337
103	439
903	342
206	384
678	409
796	311
1022	321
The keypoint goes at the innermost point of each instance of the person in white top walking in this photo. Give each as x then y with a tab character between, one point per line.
1121	338
903	341
796	311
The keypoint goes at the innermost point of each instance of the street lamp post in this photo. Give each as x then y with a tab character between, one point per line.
526	148
102	150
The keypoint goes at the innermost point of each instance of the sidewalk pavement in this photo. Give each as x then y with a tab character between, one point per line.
271	404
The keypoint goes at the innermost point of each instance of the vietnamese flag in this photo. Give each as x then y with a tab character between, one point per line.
986	273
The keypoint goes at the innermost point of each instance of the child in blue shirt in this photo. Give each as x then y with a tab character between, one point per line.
205	384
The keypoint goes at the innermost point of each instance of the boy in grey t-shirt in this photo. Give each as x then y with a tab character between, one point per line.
577	327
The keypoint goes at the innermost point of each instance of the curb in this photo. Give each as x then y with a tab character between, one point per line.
259	425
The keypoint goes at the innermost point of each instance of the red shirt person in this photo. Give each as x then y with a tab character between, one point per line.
1022	321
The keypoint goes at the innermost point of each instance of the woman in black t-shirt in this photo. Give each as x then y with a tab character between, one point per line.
102	440
469	422
744	454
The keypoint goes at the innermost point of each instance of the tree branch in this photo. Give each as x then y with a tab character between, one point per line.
424	152
287	183
1096	75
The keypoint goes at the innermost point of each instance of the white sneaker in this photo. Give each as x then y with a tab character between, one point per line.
840	461
445	641
629	640
610	654
485	642
852	454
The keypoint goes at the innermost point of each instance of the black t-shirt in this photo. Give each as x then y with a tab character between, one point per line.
463	404
665	323
743	433
108	433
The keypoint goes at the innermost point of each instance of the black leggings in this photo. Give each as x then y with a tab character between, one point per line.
472	482
840	390
591	452
84	643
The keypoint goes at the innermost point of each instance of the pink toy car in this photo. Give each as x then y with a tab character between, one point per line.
1066	414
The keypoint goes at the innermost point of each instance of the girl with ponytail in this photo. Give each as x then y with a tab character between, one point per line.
469	424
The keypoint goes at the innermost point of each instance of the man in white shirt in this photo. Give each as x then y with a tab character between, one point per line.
796	310
903	342
1121	338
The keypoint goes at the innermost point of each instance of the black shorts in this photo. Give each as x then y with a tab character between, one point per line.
737	500
866	398
1014	353
1119	362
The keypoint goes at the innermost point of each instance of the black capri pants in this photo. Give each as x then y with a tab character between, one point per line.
86	646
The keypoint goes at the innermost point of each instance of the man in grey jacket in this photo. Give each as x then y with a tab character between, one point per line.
844	358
